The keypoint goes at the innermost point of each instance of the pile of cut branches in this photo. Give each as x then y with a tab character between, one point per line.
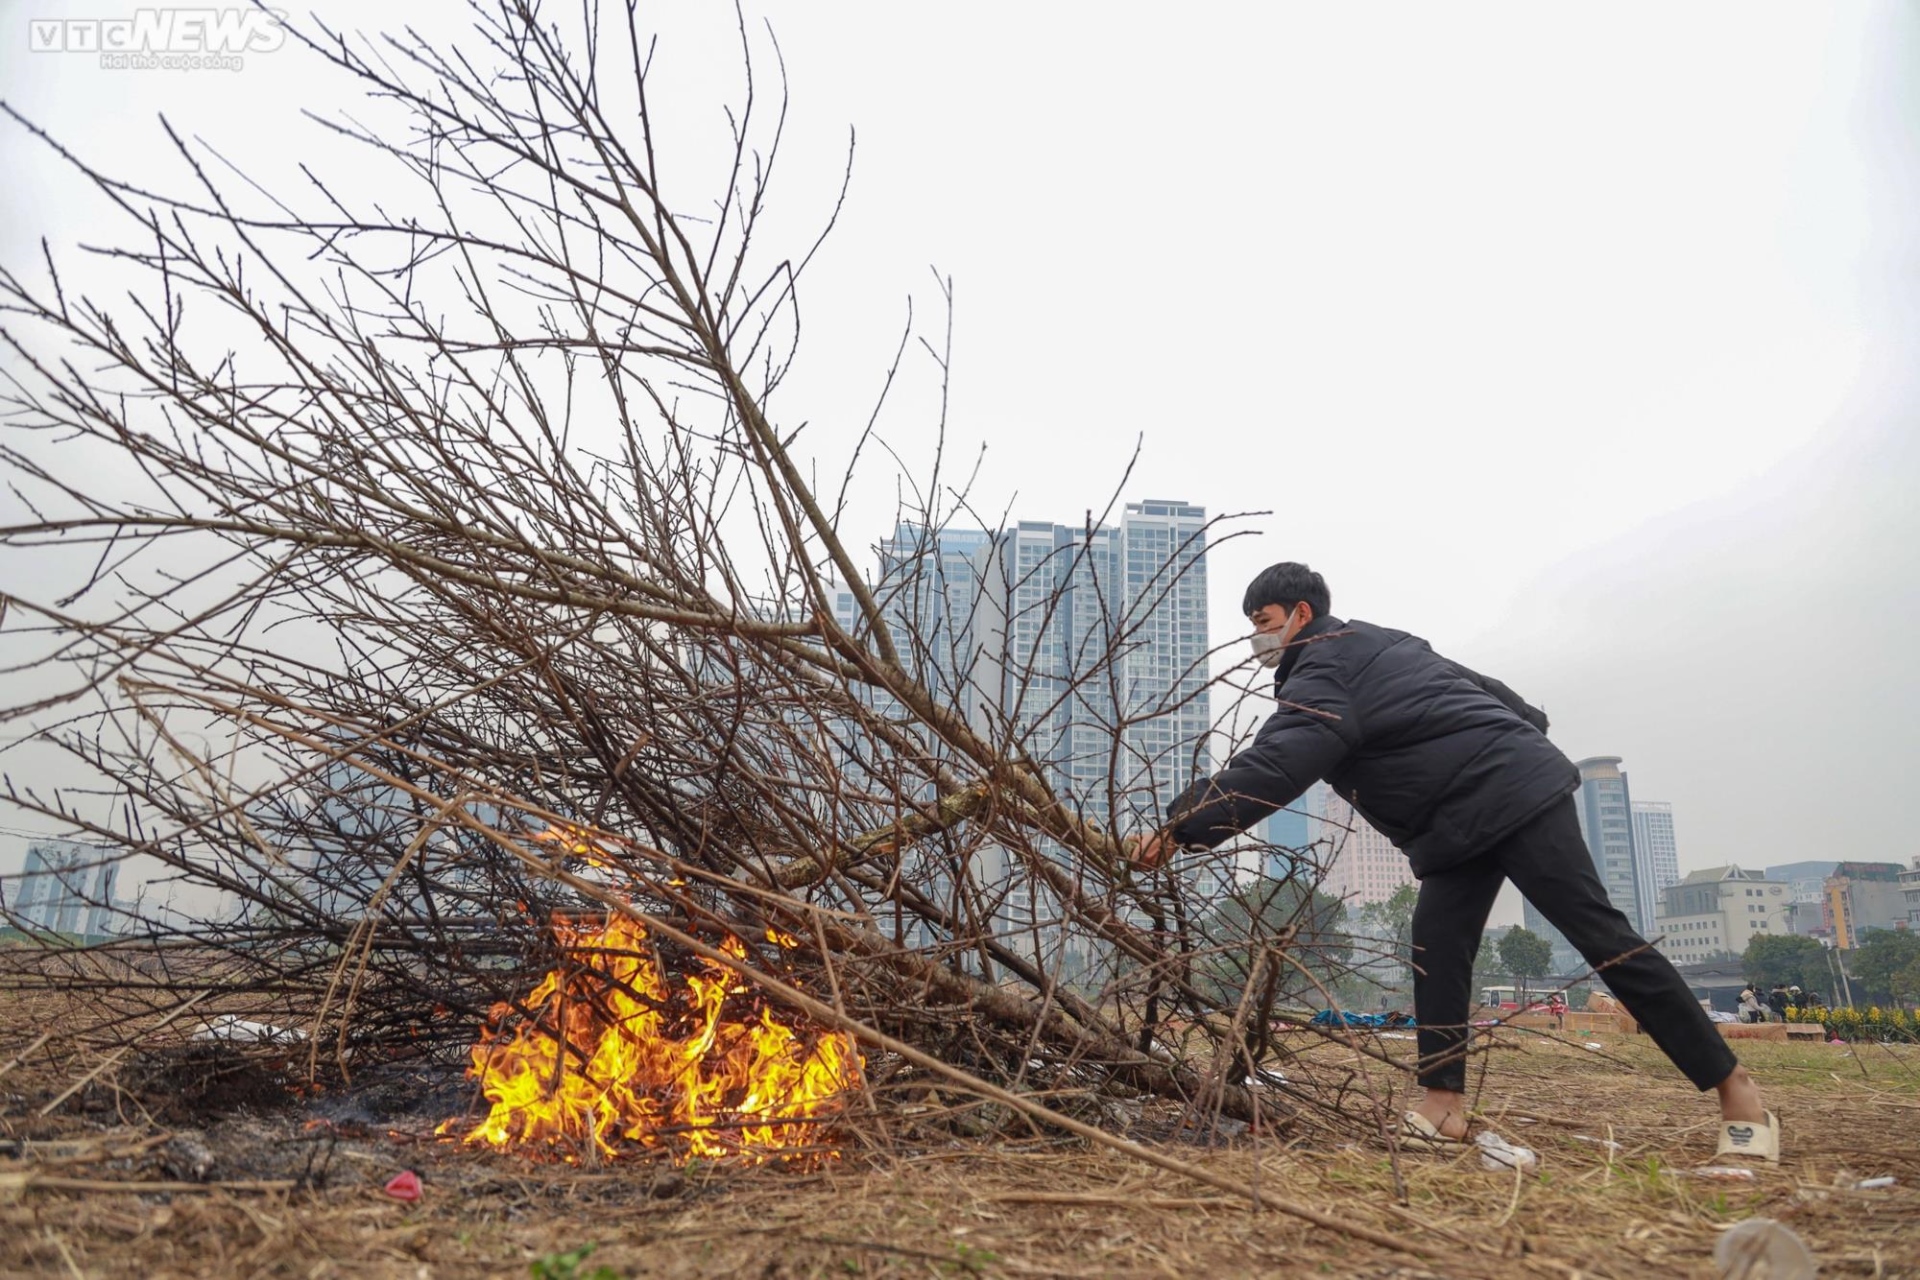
437	566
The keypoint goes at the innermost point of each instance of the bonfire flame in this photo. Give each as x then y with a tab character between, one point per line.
659	1063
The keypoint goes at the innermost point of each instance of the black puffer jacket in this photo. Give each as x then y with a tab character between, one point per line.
1441	760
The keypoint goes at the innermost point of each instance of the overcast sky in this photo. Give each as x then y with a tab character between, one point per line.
1578	340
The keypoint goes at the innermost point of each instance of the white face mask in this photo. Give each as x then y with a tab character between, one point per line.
1270	646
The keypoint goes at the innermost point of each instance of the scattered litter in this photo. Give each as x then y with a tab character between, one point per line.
187	1158
1608	1143
1724	1172
1874	1184
404	1185
1396	1035
1762	1247
1590	1045
237	1030
1497	1154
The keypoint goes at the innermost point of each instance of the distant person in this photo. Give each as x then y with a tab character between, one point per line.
1778	1000
1751	1010
1457	771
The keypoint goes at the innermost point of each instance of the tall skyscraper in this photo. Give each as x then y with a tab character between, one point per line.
1654	847
1604	808
1079	633
929	589
1083	648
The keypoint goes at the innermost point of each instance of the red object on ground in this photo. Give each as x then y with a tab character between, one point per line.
404	1185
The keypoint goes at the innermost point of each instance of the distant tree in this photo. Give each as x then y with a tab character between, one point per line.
1885	964
1390	924
1263	913
1488	965
1525	954
1906	983
1790	959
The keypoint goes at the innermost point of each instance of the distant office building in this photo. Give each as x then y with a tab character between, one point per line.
1605	810
67	888
1290	834
1910	893
1719	910
1653	844
1287	828
1364	865
1862	897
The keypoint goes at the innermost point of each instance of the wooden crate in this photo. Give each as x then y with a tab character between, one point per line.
1535	1021
1773	1031
1610	1024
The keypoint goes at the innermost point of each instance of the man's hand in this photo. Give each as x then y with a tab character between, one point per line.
1148	851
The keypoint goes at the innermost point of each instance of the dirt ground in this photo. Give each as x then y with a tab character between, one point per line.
216	1200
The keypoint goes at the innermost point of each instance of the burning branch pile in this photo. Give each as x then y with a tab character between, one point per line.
615	1049
394	536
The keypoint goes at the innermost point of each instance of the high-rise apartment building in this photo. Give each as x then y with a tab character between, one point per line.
67	888
1079	634
1653	845
1083	648
929	591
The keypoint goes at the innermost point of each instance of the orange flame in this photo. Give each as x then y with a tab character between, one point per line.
658	1065
574	841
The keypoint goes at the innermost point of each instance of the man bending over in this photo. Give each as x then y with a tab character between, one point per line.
1457	771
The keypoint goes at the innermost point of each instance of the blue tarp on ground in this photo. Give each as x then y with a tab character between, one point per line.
1328	1018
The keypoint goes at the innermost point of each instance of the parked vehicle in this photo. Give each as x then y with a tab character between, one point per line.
1507	1000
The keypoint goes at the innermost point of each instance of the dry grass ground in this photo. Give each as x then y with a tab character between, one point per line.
1012	1207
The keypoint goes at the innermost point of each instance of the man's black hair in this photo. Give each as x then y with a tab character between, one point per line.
1287	585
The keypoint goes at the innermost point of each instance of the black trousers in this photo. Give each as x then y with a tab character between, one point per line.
1547	860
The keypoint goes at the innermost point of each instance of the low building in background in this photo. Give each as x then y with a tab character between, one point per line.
1809	919
1807	890
1718	911
1862	897
1910	892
